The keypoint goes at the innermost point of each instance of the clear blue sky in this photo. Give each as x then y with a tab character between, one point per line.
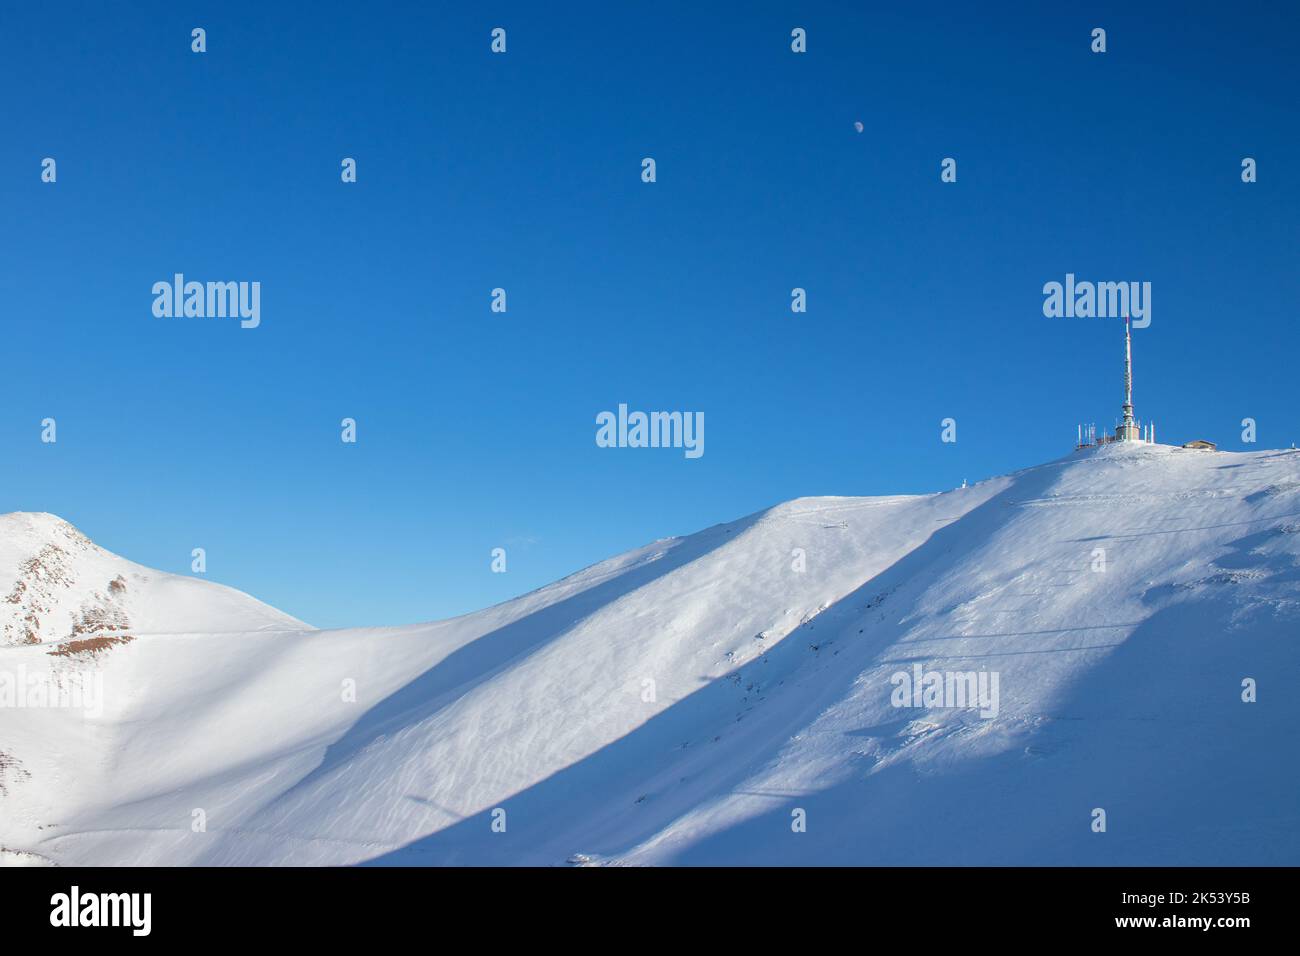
476	430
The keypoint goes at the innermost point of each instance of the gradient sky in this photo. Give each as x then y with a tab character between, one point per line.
476	430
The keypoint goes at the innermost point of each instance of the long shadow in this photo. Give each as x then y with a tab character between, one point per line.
1156	735
479	659
634	786
1261	553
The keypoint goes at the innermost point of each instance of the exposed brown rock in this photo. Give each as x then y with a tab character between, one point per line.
11	771
89	647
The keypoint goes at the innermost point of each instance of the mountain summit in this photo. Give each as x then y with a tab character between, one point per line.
1086	662
57	585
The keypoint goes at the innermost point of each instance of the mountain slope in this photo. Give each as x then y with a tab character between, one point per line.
688	701
57	584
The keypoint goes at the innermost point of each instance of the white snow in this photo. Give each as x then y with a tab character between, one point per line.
675	704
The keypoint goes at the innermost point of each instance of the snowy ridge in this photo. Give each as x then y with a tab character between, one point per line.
57	585
678	703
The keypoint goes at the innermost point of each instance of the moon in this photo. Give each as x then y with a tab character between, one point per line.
857	125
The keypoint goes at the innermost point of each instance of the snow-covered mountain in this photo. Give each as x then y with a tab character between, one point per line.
58	585
728	697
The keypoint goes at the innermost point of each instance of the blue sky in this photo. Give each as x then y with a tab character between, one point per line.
476	430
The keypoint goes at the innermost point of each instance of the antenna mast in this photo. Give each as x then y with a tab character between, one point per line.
1128	429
